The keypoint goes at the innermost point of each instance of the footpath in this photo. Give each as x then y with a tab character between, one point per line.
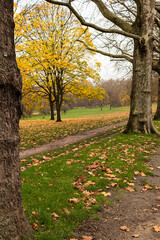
132	215
69	140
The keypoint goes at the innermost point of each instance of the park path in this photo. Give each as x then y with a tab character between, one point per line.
137	212
69	140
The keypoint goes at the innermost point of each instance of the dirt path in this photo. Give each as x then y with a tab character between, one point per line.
139	211
68	140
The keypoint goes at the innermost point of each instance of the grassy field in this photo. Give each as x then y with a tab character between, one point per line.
62	188
73	183
81	113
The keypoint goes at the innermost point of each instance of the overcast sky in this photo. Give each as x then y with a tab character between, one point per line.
108	68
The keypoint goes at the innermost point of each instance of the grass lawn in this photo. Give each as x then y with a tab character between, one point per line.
73	183
82	112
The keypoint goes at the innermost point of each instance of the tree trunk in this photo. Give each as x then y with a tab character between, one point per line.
157	114
58	109
140	119
52	109
13	224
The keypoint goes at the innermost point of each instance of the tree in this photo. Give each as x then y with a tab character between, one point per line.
156	62
141	31
56	60
13	224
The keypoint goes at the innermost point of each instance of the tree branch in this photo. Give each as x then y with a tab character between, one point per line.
94	26
112	17
108	54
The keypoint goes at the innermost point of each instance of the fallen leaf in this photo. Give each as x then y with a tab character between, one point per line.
158	198
35	226
148	186
55	216
66	210
136	235
74	200
87	238
142	174
124	228
106	194
89	183
156	228
130	189
113	184
131	184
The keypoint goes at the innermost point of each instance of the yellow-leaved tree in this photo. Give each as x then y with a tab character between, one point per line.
57	63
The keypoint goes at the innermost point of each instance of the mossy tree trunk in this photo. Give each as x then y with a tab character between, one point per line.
140	119
157	114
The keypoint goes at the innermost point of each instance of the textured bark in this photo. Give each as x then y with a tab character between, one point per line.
157	114
58	109
51	103
140	119
13	224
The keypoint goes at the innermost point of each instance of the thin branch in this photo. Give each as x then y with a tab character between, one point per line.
108	54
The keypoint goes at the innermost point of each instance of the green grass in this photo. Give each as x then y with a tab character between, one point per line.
81	112
82	172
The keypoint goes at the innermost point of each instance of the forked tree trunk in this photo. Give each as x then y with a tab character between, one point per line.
140	119
157	114
13	223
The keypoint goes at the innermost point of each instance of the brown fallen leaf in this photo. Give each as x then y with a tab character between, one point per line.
130	189
106	194
87	237
136	235
55	216
156	228
158	198
131	184
66	210
124	228
113	184
148	186
35	226
74	200
89	183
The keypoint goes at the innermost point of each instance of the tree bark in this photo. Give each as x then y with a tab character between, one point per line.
140	119
51	103
58	109
13	223
157	114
